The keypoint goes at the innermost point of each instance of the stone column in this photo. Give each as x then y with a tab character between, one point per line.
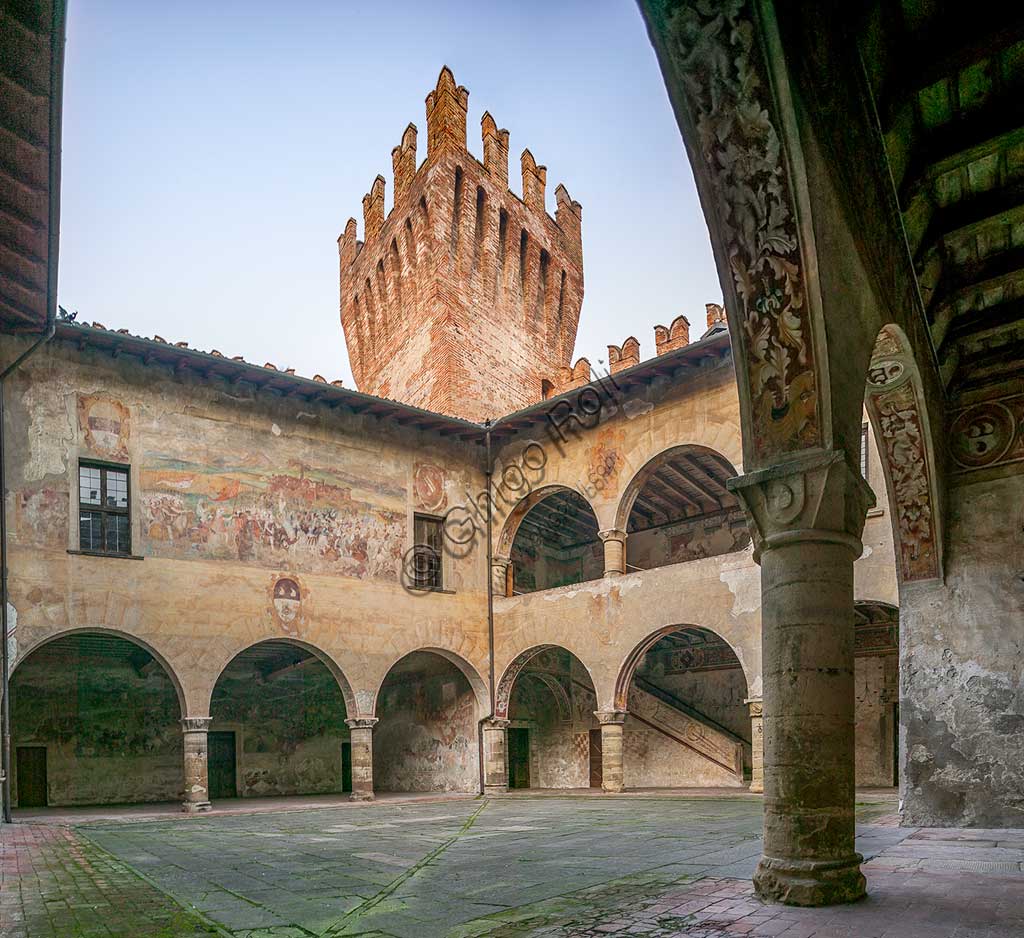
361	733
614	551
808	515
194	731
499	575
756	744
611	721
495	756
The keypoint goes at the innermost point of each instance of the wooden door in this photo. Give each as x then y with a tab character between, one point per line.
346	766
518	758
221	765
596	766
31	776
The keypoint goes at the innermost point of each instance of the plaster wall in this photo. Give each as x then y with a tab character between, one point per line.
232	492
962	668
876	683
426	737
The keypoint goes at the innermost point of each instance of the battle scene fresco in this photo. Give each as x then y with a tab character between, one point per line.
250	508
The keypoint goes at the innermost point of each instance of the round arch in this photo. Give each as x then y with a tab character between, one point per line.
644	474
347	693
503	691
476	683
633	659
510	528
113	633
894	400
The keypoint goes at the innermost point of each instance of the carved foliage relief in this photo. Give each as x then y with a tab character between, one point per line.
894	400
725	79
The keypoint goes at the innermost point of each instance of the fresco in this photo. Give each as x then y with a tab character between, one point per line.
328	520
105	425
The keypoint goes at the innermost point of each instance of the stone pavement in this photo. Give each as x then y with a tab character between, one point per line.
504	867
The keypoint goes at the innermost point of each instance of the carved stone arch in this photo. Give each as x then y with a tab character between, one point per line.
732	101
476	683
503	547
351	704
894	400
629	665
113	633
503	691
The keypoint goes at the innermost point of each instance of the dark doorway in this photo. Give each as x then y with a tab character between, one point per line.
31	776
596	768
518	758
221	765
346	766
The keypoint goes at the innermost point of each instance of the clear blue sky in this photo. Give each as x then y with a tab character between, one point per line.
214	150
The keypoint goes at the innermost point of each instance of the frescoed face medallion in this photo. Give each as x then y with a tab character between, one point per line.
287	602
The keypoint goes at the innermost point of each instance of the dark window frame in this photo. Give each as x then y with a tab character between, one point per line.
429	576
104	510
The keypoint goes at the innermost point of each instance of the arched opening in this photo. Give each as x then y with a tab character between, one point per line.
556	543
678	508
554	739
426	737
278	725
689	722
95	719
877	690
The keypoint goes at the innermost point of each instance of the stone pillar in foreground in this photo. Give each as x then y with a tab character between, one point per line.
614	551
612	779
195	735
756	744
495	756
808	515
361	735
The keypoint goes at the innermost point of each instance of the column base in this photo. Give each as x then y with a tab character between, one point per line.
195	807
361	796
756	788
613	789
810	882
495	789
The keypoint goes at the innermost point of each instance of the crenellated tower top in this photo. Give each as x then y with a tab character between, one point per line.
465	297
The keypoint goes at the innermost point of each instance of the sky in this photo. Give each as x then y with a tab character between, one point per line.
213	152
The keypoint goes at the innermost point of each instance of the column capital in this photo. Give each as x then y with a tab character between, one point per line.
613	717
196	724
361	723
612	534
496	723
756	706
817	496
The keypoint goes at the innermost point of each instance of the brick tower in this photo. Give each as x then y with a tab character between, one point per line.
465	298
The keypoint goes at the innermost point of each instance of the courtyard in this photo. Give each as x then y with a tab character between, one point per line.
655	864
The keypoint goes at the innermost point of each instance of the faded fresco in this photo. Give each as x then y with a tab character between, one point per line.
252	508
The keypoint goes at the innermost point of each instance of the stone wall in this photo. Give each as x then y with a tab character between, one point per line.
962	667
426	739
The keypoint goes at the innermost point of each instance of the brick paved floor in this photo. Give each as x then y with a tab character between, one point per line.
502	867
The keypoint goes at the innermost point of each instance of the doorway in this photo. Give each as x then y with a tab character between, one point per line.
221	765
518	758
32	785
346	766
596	767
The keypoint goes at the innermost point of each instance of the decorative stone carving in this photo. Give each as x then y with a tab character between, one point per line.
614	540
196	724
617	717
361	723
895	403
735	120
813	497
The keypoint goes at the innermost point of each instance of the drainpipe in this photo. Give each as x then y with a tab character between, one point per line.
488	467
57	21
